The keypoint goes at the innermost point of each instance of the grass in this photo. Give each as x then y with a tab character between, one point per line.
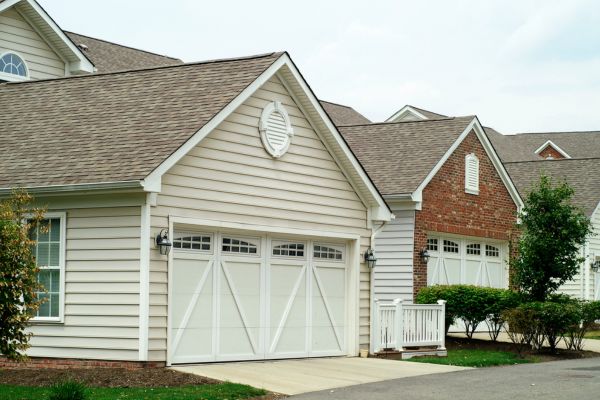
474	358
592	335
221	391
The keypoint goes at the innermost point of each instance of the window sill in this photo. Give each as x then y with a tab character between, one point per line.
473	192
46	321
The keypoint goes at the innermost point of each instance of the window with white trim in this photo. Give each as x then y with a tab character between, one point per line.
328	252
432	244
49	248
450	246
471	174
12	64
474	249
193	241
288	249
492	251
239	246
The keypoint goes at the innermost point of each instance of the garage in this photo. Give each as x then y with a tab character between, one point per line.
465	260
247	296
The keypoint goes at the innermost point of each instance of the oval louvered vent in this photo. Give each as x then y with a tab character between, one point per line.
275	129
471	174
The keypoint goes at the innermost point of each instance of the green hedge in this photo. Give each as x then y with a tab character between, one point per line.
472	304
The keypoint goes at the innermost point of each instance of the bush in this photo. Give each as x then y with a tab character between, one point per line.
68	390
520	330
589	313
472	304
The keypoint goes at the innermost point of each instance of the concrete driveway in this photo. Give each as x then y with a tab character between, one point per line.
573	379
309	375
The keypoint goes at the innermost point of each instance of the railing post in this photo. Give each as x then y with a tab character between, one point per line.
376	327
442	325
399	324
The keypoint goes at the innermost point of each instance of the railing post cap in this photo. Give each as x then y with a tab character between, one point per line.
398	301
441	301
376	300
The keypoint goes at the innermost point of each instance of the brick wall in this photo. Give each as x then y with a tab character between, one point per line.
63	363
550	151
447	208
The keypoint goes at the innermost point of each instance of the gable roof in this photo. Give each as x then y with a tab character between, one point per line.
583	175
399	155
126	129
523	146
416	112
76	61
343	115
112	57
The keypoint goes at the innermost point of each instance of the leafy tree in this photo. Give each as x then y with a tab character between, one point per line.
553	231
18	273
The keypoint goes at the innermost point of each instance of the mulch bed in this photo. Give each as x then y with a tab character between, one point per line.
103	377
542	356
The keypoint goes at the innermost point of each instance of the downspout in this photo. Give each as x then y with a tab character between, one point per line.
374	232
586	269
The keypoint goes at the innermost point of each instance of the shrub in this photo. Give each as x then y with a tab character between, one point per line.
501	301
68	390
431	294
520	330
589	313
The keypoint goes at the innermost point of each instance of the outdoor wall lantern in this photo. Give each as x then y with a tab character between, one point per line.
596	266
370	258
163	243
424	255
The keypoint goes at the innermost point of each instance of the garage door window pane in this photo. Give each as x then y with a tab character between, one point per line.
450	246
474	249
239	246
295	250
492	251
330	253
432	244
195	241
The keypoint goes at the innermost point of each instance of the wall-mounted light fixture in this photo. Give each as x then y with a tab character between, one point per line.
595	265
370	258
163	243
425	255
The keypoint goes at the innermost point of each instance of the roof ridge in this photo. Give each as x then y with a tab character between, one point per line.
426	110
213	61
121	45
337	104
413	122
552	133
552	160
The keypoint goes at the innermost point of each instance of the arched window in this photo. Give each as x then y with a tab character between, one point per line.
12	64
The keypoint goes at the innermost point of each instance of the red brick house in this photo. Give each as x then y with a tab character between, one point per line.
452	198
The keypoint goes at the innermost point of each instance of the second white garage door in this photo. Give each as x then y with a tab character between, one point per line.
463	260
245	297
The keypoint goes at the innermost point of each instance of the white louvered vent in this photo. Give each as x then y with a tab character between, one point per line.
471	174
275	129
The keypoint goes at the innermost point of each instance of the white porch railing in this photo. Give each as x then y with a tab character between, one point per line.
398	325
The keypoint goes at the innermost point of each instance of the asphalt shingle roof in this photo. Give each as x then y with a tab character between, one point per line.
583	175
343	115
429	114
398	156
112	127
112	57
522	146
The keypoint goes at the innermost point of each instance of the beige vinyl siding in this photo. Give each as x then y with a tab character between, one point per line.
17	35
230	177
393	275
102	290
594	246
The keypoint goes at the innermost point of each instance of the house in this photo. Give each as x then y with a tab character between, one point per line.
570	156
455	204
197	212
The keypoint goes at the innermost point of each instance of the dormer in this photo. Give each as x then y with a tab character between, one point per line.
34	46
412	113
551	151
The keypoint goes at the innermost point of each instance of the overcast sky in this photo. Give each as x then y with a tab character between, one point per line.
519	65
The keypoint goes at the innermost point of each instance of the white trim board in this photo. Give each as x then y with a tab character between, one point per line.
554	146
403	111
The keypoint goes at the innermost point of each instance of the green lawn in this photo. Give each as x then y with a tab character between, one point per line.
592	335
474	358
220	391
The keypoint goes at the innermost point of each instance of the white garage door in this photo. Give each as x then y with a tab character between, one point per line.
237	297
471	261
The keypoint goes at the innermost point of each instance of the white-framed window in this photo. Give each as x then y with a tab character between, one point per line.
450	246
492	251
432	244
471	174
241	246
281	248
329	252
13	67
193	241
49	252
474	249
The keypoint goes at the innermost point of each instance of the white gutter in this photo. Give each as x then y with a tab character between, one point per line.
77	187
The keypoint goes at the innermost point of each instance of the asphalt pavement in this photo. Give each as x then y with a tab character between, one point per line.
571	379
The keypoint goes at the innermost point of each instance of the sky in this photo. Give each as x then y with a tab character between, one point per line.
520	66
